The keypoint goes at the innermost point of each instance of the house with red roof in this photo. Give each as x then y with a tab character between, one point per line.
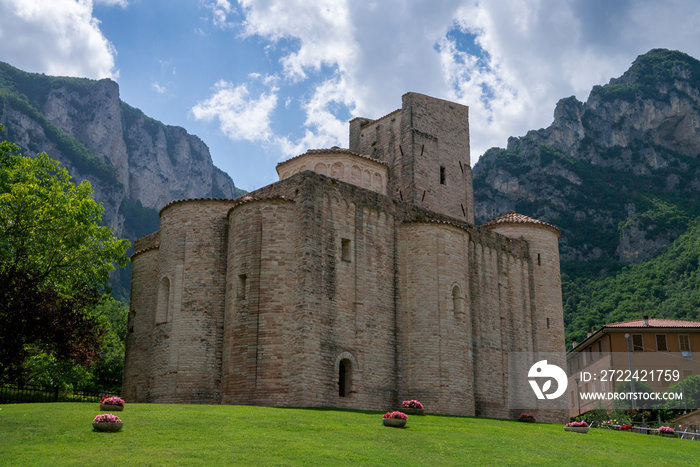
658	352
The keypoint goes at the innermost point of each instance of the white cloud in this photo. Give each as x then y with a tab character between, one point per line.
158	88
220	10
240	115
121	3
64	37
509	60
323	28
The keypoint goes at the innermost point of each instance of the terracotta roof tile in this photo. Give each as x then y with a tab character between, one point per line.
333	150
512	217
183	200
655	323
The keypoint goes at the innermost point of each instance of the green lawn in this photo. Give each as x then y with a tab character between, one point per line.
153	434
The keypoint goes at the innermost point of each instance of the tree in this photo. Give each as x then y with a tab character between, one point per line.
55	261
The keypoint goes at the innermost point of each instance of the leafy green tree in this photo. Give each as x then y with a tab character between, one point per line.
104	376
690	388
55	260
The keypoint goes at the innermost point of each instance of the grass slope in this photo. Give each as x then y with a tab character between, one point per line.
153	434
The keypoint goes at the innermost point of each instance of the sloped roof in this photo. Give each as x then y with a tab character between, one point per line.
512	217
655	323
333	150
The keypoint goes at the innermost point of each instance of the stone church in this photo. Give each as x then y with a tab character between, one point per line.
358	280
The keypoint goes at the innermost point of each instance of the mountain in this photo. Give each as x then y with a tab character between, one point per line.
619	174
135	164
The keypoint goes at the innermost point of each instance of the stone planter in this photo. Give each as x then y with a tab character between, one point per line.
107	426
395	422
577	429
411	411
111	408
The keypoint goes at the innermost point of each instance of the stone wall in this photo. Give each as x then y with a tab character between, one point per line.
340	164
317	292
426	146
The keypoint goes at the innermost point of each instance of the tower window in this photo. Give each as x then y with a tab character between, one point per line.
539	260
345	249
457	300
242	282
163	306
344	377
442	175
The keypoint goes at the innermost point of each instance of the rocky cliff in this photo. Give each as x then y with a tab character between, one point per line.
620	173
135	164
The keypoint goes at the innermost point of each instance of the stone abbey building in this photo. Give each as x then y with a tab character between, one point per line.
357	280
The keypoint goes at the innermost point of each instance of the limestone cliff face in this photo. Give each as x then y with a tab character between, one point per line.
136	164
620	173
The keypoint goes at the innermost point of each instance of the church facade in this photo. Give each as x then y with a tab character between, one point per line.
358	280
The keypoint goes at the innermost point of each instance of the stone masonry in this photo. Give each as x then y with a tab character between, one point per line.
357	281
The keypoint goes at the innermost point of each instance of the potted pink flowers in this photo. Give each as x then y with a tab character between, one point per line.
107	422
667	431
578	427
526	417
395	419
112	404
412	407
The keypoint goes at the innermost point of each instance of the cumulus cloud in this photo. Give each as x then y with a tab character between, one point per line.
509	60
64	37
241	116
322	27
220	10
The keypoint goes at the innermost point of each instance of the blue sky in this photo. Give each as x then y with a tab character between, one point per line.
262	81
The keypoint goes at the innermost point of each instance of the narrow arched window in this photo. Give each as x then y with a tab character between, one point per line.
456	299
344	377
163	304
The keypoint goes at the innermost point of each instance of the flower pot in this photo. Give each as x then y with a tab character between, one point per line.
107	426
668	435
111	408
577	429
395	422
527	420
412	411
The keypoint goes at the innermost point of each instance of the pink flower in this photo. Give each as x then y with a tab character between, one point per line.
412	404
114	400
106	418
396	414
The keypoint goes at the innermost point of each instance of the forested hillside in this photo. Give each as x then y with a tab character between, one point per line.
620	176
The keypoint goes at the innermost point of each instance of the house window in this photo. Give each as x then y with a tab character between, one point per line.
637	343
344	377
442	175
242	282
600	349
345	249
163	304
661	343
684	343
